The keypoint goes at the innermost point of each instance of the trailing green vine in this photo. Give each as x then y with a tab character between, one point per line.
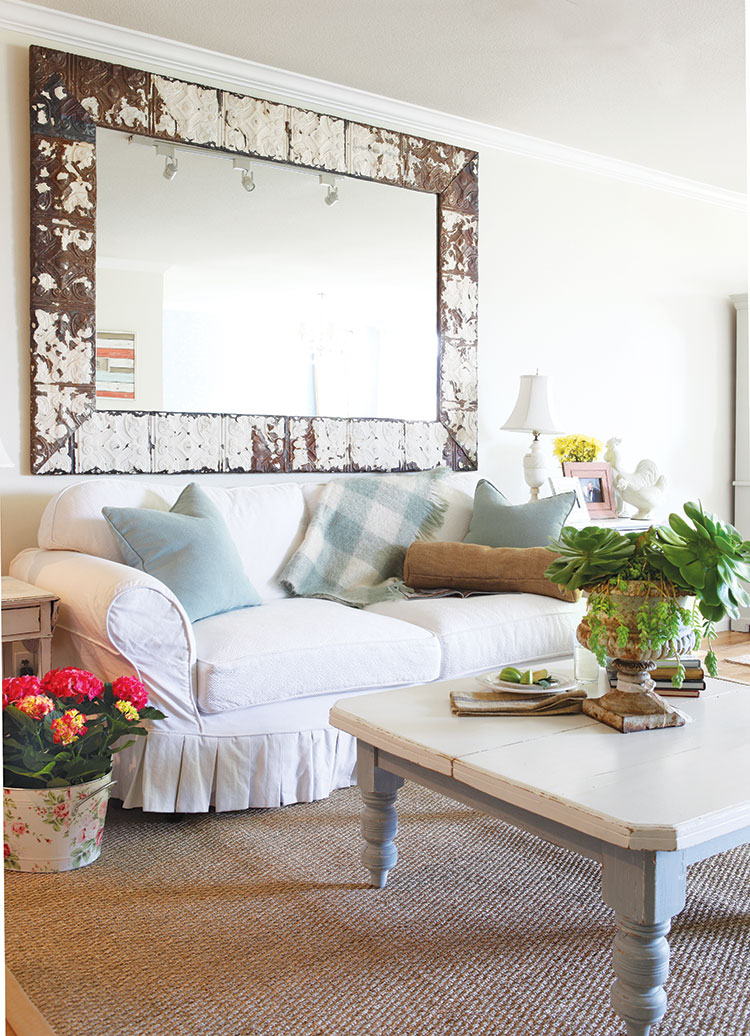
659	621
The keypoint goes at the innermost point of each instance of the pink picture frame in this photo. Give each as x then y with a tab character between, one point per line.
595	480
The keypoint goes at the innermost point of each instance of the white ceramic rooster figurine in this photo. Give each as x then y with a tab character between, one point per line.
641	488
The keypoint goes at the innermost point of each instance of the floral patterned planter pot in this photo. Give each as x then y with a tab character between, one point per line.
55	829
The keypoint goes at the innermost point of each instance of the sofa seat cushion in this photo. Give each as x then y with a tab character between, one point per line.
304	646
478	633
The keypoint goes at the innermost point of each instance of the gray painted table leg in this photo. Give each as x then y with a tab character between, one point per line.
645	889
378	819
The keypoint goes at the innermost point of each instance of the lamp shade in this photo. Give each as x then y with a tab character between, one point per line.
5	461
531	412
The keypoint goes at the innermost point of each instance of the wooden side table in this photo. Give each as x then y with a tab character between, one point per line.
28	614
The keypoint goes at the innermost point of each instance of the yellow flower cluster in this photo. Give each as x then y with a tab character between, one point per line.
128	710
577	447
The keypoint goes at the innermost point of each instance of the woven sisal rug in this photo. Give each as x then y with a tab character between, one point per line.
261	924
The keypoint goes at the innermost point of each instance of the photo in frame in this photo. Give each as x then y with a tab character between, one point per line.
595	480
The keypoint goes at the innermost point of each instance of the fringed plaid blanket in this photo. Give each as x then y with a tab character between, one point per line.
354	548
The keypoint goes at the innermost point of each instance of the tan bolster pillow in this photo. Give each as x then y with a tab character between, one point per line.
432	565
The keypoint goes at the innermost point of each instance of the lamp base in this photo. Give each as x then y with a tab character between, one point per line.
535	467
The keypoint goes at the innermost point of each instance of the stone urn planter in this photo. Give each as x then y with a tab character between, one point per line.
55	829
633	704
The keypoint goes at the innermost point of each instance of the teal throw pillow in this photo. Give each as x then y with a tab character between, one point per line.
189	549
497	523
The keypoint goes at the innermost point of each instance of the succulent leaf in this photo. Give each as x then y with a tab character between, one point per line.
680	526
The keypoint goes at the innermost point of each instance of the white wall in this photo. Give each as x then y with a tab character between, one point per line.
619	292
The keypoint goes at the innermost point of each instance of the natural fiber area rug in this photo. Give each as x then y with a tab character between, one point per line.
261	924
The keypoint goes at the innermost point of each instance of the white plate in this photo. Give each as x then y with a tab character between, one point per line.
493	680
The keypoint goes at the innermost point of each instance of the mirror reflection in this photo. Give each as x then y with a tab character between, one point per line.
259	289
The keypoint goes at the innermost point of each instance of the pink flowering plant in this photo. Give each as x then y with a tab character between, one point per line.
65	728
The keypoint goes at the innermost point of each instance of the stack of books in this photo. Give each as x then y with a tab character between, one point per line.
692	685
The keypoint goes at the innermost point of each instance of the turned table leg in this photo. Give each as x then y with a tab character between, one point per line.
645	889
378	818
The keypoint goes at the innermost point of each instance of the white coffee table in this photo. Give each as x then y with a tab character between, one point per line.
646	805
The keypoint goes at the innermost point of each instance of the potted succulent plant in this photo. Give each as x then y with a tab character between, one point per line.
638	610
59	736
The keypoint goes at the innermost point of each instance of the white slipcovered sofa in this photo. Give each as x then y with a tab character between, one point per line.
247	693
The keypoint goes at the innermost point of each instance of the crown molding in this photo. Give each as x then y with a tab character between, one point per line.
186	61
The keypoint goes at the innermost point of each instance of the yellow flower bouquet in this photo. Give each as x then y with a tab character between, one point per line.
578	448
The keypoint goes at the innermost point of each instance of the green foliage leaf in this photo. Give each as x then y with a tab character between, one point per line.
712	664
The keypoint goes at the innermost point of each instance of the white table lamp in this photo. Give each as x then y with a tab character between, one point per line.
532	414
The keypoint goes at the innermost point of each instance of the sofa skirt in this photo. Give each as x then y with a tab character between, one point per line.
171	772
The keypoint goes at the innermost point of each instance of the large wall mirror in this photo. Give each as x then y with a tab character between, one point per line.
221	283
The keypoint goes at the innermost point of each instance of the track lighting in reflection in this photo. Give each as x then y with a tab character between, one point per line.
170	168
170	160
168	152
332	191
246	177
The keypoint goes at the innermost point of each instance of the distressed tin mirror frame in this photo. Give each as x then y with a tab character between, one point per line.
72	95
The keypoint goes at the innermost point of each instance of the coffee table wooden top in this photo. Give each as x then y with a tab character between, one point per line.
657	789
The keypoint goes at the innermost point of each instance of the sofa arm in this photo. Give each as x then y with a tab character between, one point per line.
112	618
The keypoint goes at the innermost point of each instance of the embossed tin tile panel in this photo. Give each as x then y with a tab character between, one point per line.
373	153
70	96
317	140
459	245
458	375
55	111
62	347
458	308
112	94
319	444
185	111
56	411
463	427
64	272
462	194
255	127
112	441
186	442
430	165
44	63
427	445
376	445
60	463
254	443
63	177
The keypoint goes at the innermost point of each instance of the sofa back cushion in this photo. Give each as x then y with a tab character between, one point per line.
266	522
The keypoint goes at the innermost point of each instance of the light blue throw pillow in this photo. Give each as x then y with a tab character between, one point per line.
496	522
188	548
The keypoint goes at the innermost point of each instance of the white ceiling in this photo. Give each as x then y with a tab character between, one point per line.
657	82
